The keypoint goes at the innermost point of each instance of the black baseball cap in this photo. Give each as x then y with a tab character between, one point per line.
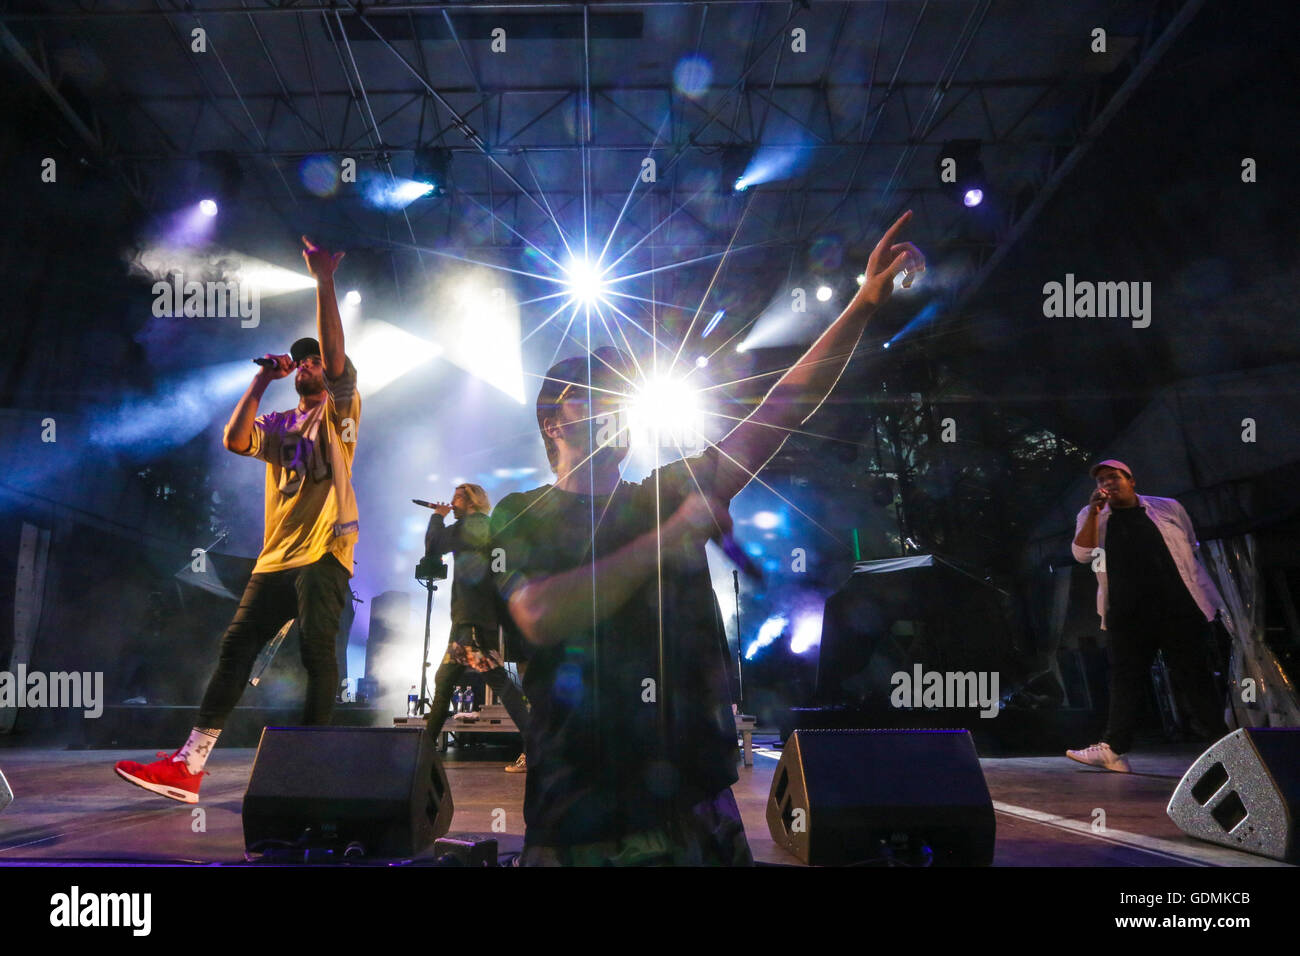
304	348
607	370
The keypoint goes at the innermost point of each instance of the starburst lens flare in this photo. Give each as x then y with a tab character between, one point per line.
585	282
666	413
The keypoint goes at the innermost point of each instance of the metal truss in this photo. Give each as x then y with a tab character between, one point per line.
336	115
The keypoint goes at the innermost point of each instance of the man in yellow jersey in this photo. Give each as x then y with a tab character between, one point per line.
311	529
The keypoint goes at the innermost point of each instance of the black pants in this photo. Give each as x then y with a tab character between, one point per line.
450	671
315	595
1133	647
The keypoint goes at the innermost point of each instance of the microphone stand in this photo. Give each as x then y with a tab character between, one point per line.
740	654
424	703
426	572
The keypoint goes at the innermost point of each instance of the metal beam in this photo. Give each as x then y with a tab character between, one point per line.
79	125
1121	96
272	8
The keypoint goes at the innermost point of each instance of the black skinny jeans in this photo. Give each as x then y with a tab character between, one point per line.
314	594
1133	647
444	684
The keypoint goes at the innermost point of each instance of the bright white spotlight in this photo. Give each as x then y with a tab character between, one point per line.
823	293
807	632
666	413
771	629
741	184
886	345
398	193
701	361
208	207
973	197
766	520
353	297
584	281
256	275
860	278
384	353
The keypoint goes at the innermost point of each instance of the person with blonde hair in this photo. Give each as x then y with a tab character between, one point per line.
474	622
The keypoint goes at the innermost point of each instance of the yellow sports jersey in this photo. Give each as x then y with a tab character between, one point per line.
311	510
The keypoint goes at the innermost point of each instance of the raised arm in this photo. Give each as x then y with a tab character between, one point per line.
238	436
1085	527
329	327
747	448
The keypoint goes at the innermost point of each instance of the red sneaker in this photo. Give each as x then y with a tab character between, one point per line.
166	777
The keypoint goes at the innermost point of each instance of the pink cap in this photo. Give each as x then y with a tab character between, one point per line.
1111	463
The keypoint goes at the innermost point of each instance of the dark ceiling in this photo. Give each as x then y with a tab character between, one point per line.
1089	156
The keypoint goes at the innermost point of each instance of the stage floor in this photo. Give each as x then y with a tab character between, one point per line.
70	805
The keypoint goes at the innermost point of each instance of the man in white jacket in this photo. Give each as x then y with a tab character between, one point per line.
1152	593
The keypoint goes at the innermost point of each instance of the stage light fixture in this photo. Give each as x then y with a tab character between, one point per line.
208	207
701	361
735	163
770	630
961	171
353	297
807	632
383	193
433	167
824	293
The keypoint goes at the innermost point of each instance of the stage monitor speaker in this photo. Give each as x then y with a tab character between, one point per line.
841	797
1244	792
6	795
381	787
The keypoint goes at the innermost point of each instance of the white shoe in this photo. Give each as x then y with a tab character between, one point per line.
1100	755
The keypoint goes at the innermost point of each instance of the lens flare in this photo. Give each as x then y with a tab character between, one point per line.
585	282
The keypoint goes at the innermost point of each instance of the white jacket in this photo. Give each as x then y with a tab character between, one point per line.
1176	528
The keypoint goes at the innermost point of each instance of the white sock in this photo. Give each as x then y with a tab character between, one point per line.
197	748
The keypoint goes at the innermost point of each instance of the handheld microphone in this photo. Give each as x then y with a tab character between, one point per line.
265	362
423	504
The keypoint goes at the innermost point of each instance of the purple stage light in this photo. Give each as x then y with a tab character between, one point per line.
973	197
